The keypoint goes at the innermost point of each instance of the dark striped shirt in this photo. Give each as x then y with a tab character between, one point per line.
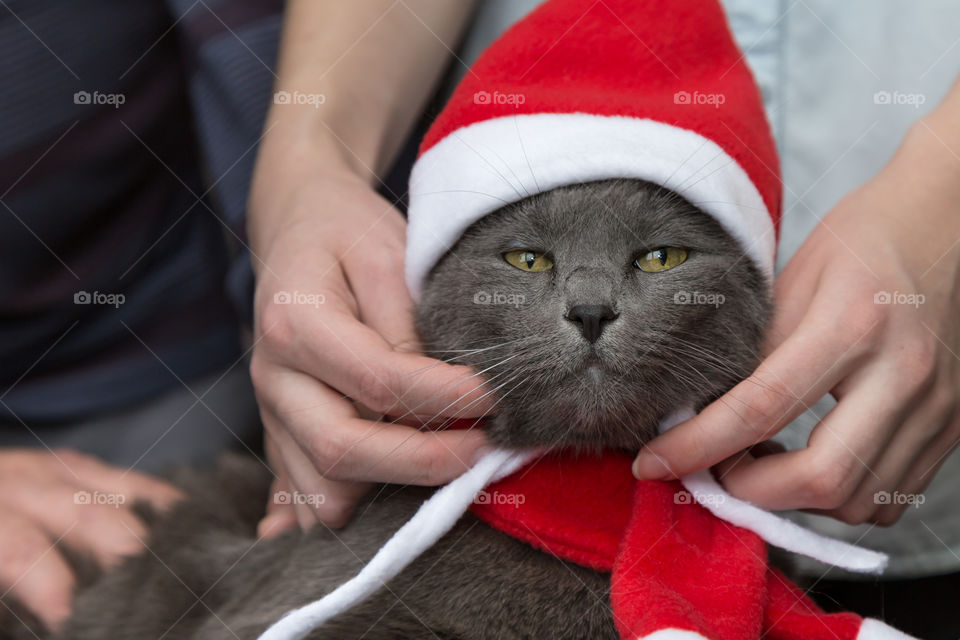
127	139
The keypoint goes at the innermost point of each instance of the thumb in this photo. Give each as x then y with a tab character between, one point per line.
280	515
797	374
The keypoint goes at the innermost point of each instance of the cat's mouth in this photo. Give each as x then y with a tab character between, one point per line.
593	367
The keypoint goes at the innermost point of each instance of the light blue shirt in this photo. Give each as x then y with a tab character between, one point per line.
842	82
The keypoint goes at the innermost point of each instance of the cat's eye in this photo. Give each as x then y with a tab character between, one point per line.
527	260
661	259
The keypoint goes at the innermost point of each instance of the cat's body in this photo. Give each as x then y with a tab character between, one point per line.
207	547
588	354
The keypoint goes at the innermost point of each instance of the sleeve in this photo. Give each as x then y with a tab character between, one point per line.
229	49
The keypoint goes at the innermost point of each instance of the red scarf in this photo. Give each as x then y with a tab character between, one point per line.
677	570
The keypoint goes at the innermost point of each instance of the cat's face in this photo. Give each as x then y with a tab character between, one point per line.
593	311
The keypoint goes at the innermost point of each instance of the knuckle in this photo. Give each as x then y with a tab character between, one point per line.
22	545
75	461
278	334
335	515
431	464
855	513
110	531
72	456
889	516
260	372
916	361
863	324
770	400
942	404
21	463
329	456
952	432
375	388
827	486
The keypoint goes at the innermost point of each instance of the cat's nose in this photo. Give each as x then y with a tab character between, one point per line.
592	319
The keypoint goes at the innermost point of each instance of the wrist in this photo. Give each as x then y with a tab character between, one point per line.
294	166
930	151
924	173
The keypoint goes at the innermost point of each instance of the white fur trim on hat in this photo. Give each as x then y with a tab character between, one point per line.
479	168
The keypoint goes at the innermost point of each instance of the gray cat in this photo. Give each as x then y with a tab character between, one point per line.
572	303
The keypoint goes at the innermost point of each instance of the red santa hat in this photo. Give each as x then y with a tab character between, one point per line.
583	90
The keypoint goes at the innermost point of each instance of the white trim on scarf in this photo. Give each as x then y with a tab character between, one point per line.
872	629
777	531
434	518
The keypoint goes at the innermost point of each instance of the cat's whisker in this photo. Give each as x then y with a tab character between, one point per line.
450	419
342	396
477	350
476	193
512	172
523	148
400	487
487	162
412	411
383	424
405	440
717	362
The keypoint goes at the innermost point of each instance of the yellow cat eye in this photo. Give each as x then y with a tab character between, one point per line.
661	259
527	260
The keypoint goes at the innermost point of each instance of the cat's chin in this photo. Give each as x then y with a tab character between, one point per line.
570	419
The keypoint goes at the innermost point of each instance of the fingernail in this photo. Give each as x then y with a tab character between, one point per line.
275	524
648	467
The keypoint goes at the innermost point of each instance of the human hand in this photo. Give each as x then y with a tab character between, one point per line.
325	374
865	310
64	497
336	346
